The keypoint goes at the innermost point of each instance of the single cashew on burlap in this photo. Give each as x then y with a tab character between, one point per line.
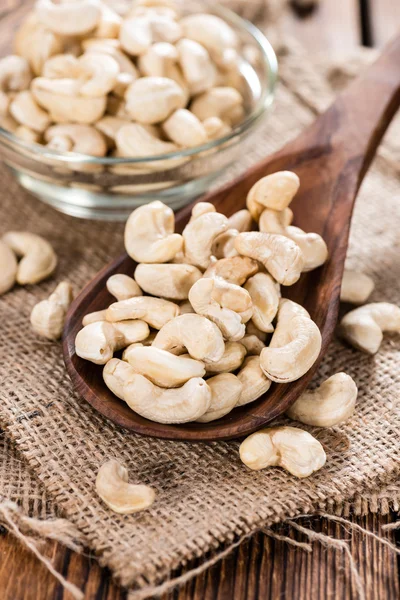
117	493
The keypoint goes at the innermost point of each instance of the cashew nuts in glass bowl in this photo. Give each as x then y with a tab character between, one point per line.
101	112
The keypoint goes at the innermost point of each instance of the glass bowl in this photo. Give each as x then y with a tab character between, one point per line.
110	188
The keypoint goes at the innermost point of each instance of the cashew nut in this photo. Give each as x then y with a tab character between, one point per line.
122	497
253	344
288	447
216	102
27	135
139	31
48	316
363	327
216	128
36	43
202	338
199	235
8	268
69	18
356	287
265	295
158	60
98	341
153	99
38	260
163	368
136	140
112	48
236	269
102	71
110	23
295	344
15	74
274	191
149	234
154	311
109	126
26	111
280	256
201	208
185	129
167	280
253	380
197	66
94	317
123	287
82	138
213	33
225	392
240	220
331	403
224	244
231	359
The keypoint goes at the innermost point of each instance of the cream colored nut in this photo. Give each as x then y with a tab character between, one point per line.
254	381
144	343
198	69
94	317
122	497
8	268
176	405
363	327
201	208
48	316
202	339
225	392
154	311
216	102
139	32
84	138
169	281
61	98
185	308
199	236
69	18
224	244
15	74
251	329
149	234
265	295
38	259
163	368
356	287
109	126
216	128
158	59
26	111
295	344
28	135
134	140
185	129
110	23
123	287
275	221
253	345
280	256
102	72
240	220
274	191
223	303
211	32
331	403
98	341
231	359
124	80
112	48
36	43
62	66
153	99
61	143
293	449
236	269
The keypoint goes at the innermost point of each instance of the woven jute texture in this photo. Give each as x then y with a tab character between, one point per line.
205	496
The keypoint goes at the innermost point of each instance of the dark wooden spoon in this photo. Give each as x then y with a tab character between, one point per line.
331	158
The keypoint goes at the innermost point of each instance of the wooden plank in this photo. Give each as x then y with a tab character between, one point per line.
333	28
385	20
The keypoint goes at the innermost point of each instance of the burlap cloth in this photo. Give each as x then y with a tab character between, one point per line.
205	497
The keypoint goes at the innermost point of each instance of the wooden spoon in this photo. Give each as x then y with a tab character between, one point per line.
331	158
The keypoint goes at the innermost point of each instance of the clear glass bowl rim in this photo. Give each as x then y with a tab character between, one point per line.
265	100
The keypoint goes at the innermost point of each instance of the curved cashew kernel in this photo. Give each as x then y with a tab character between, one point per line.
236	269
198	69
153	99
202	339
331	403
294	347
363	327
273	191
112	48
8	268
225	392
199	236
356	287
69	18
224	244
185	308
139	31
154	311
158	59
15	73
26	111
149	234
275	221
123	287
201	208
62	66
280	256
136	140
215	102
265	294
98	341
94	317
185	129
253	380
288	447
216	128
122	497
48	316
223	303
240	220
102	71
253	345
163	368
211	32
231	359
38	258
167	280
83	138
36	43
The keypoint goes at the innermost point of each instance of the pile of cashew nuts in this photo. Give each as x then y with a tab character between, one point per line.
85	79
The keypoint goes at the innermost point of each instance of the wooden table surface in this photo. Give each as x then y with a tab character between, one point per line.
261	568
